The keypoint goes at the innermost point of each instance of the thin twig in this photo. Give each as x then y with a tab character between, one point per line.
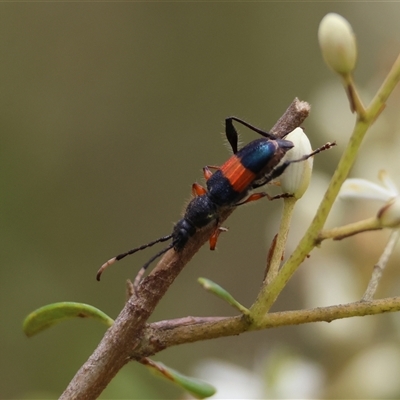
380	266
293	117
164	334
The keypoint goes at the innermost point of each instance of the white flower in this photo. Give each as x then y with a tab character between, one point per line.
338	43
389	214
296	178
284	374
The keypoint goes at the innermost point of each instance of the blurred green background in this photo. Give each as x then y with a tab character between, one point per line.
109	111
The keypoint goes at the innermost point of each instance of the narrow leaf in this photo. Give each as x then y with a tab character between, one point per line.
196	387
52	314
222	294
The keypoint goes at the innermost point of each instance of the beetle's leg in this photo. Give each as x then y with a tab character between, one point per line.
214	237
207	171
261	195
232	135
198	190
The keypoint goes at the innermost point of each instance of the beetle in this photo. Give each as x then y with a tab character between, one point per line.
249	168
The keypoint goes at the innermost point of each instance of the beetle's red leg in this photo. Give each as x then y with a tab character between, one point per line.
257	196
198	190
215	235
207	172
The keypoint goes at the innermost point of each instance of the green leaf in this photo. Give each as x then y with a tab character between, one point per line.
222	294
196	387
52	314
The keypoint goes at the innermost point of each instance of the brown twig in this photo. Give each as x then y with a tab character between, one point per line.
118	344
161	335
292	118
377	271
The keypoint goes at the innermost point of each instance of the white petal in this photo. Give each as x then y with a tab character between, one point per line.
388	182
363	189
232	382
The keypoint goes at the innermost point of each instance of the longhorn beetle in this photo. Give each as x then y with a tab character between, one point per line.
251	167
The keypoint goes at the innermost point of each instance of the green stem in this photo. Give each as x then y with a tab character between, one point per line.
356	104
276	259
341	232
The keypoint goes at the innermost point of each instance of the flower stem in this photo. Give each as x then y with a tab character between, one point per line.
341	232
279	249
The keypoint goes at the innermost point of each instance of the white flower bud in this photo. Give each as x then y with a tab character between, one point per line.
389	214
296	178
338	43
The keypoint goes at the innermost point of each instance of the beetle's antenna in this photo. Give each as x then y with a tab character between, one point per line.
142	270
122	255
